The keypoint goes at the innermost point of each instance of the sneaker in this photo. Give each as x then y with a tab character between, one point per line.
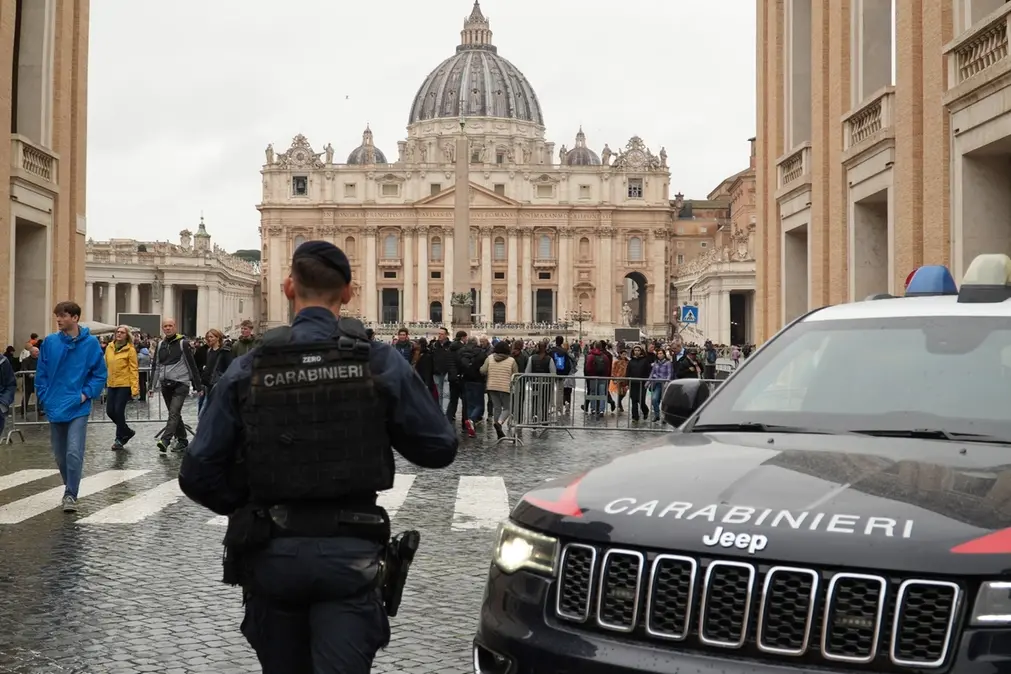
129	437
469	426
116	446
69	504
162	447
498	430
180	445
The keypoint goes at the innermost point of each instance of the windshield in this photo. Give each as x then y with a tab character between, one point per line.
948	373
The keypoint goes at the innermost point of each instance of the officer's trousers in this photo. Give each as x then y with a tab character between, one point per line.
312	607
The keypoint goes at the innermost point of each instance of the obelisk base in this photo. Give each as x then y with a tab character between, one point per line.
461	316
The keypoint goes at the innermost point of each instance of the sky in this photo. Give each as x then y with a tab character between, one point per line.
184	96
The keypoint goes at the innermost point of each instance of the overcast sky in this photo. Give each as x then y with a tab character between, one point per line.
185	95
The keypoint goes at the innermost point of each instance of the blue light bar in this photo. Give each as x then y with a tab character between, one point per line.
931	280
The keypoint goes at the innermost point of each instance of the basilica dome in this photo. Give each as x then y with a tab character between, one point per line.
580	155
367	153
476	82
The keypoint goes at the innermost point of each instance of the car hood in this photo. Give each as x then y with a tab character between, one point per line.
835	500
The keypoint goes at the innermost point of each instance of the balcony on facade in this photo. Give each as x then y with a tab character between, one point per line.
33	164
389	263
545	263
870	123
980	54
794	169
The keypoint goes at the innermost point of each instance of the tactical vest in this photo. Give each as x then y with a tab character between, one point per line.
315	424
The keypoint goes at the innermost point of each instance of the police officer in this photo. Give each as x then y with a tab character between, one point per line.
294	444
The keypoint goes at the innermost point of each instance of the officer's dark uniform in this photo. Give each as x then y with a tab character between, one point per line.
294	442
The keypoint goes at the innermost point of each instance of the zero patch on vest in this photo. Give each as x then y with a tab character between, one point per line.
314	375
312	358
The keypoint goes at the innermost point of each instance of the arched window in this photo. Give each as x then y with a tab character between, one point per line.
349	246
390	247
498	313
584	297
544	247
584	249
473	247
435	254
635	249
500	248
299	240
435	312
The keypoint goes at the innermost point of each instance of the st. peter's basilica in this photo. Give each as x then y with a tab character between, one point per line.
554	233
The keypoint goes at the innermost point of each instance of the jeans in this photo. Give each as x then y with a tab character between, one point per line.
441	386
597	387
311	609
174	394
115	408
473	399
657	393
501	401
67	438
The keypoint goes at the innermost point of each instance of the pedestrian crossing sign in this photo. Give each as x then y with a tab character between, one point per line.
689	314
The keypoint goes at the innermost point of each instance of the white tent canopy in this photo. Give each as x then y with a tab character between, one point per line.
98	329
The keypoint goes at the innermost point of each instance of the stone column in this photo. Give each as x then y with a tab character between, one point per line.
448	250
486	299
134	298
408	266
203	310
369	290
565	283
424	313
89	301
724	335
110	303
168	302
512	276
528	279
605	288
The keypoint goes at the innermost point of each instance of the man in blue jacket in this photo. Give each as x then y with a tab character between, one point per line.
70	374
8	385
295	441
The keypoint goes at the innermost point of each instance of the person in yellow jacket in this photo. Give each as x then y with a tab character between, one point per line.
123	383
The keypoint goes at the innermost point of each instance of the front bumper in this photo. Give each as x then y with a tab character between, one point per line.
517	636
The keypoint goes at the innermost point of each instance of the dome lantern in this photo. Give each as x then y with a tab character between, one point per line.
580	155
476	31
367	153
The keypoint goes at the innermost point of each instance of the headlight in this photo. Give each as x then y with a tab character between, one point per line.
518	548
993	604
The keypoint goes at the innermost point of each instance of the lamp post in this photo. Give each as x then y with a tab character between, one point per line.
578	315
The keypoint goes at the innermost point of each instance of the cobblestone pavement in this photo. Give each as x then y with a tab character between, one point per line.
131	582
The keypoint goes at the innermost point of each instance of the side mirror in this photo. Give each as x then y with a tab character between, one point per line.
681	398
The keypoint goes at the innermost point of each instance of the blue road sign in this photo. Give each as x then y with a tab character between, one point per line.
689	314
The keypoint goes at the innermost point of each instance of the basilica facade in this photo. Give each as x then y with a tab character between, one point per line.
555	235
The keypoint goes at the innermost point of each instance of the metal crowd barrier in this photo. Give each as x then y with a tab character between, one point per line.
26	412
542	403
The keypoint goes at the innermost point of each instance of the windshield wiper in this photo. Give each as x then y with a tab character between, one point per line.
758	427
936	434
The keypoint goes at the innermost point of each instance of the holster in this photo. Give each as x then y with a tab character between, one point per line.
397	563
248	530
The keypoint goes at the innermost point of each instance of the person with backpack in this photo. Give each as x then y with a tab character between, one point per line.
709	369
541	386
596	369
472	357
564	365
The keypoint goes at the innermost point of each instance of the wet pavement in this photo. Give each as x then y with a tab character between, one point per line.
131	583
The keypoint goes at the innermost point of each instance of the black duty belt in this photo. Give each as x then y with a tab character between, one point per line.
370	523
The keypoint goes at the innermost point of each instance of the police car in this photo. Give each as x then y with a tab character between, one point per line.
841	503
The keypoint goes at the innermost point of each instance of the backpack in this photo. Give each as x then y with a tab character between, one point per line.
540	365
561	362
711	357
466	361
598	366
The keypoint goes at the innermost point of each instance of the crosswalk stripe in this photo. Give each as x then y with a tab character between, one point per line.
24	477
31	506
481	503
393	499
139	507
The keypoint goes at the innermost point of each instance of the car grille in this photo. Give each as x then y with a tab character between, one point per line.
766	611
